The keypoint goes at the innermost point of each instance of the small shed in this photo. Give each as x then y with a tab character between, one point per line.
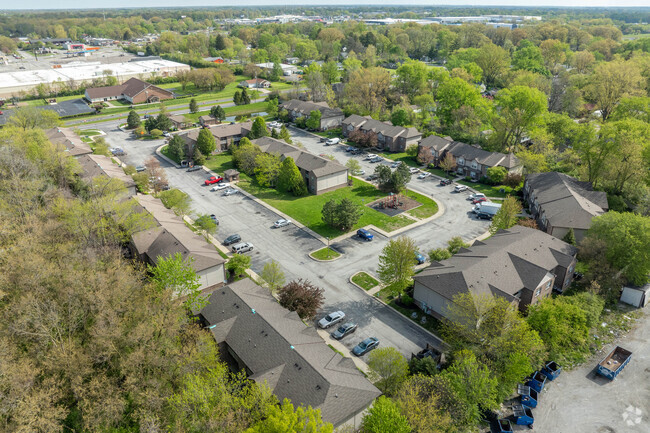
231	175
208	119
636	296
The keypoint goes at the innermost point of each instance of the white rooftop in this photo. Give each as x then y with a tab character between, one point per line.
80	71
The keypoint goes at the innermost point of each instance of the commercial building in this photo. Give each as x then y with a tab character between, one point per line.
273	346
320	174
133	90
521	265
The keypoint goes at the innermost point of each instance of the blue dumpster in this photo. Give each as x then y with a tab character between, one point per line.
523	415
505	426
537	382
614	363
551	370
528	396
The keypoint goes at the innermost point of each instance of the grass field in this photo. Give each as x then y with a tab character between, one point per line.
365	281
489	190
427	209
237	110
325	254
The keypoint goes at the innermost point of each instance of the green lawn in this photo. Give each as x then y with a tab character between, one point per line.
237	110
489	190
432	324
440	172
89	132
427	209
364	280
325	254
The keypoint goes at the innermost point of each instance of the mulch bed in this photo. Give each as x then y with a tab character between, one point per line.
405	203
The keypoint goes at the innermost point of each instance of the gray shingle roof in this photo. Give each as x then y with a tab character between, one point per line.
304	160
490	159
74	145
565	201
386	129
100	165
292	358
509	261
436	143
172	236
306	107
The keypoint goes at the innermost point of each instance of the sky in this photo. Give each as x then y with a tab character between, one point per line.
85	4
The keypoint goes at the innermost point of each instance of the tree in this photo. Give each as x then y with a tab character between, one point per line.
206	224
276	72
220	43
342	215
258	129
570	237
156	133
157	176
285	135
399	178
176	200
455	244
494	61
507	215
163	123
627	240
397	264
237	98
133	121
412	79
218	112
245	97
205	142
302	297
272	107
384	416
198	157
439	254
290	179
529	57
313	121
177	274
237	265
448	163
273	275
194	107
400	117
244	156
33	118
177	148
283	419
519	108
419	403
388	369
267	169
455	93
353	167
612	81
367	90
496	175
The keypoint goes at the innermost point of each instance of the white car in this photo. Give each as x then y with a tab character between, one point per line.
476	195
332	141
414	170
370	156
424	175
166	134
281	223
460	188
331	319
230	191
275	124
220	186
395	164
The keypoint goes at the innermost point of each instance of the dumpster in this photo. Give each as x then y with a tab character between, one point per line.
505	426
523	415
528	396
537	382
551	370
614	363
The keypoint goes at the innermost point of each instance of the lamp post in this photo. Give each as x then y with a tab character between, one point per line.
328	247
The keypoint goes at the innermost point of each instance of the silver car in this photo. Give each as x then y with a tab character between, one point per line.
331	319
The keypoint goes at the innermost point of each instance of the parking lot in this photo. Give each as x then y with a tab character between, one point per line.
290	245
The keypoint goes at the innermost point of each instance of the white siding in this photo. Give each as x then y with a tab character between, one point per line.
427	298
331	180
211	276
331	122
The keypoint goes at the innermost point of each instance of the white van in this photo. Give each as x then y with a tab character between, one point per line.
487	207
332	141
242	247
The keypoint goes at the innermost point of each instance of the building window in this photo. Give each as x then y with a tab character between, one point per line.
538	291
474	165
548	284
460	161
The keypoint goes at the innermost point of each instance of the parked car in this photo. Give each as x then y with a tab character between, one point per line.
194	168
372	177
365	346
414	170
332	141
331	319
166	134
242	247
395	164
419	258
484	216
275	124
444	182
232	239
360	173
377	159
1	112
370	156
475	196
460	188
281	223
117	151
213	217
343	330
213	179
365	234
230	191
479	200
424	175
140	168
350	148
220	186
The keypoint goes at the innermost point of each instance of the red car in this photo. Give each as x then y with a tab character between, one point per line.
479	200
213	179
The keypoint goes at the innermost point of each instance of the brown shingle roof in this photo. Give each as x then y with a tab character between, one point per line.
292	358
106	92
304	160
68	138
306	107
100	165
386	129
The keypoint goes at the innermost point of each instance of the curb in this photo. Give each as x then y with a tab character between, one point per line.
160	154
325	261
372	289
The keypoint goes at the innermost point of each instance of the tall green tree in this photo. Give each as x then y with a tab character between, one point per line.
455	93
194	107
206	224
612	81
342	215
258	129
284	419
419	403
384	416
272	107
178	275
285	135
412	78
267	169
494	61
177	147
133	121
529	57
273	276
313	121
397	264
218	112
388	369
507	215
206	142
176	200
238	264
519	108
33	118
290	179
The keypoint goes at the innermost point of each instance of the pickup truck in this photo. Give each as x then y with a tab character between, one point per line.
614	363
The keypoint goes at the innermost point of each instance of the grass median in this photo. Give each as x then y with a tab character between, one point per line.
364	280
325	254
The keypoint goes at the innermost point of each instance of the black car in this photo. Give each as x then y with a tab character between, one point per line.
343	330
483	216
232	239
444	182
194	168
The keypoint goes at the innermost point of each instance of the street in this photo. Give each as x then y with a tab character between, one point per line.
291	245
